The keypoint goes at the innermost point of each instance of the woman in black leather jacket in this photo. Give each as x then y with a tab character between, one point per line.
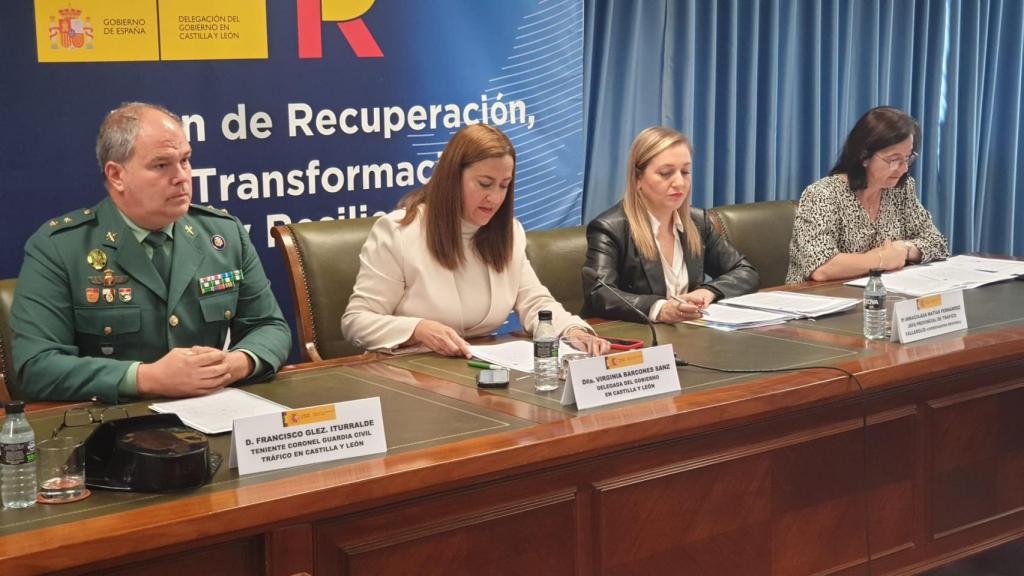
653	249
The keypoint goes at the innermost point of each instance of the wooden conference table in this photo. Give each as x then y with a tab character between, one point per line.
918	462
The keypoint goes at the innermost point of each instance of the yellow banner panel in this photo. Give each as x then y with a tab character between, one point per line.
221	30
96	30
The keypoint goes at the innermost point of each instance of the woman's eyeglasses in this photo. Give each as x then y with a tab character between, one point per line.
895	163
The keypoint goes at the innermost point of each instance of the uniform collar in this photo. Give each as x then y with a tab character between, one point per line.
139	232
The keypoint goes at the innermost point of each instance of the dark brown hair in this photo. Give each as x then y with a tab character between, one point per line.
441	198
878	128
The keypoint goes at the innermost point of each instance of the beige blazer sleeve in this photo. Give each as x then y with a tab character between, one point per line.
532	296
369	320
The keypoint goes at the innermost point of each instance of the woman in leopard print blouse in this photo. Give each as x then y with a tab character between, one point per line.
865	214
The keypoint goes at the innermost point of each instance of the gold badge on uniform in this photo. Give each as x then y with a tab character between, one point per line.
218	242
112	236
92	295
108	295
96	258
189	230
108	278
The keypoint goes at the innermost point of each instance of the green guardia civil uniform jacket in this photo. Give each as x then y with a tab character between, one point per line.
89	301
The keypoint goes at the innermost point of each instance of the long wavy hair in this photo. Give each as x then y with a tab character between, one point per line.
441	199
648	144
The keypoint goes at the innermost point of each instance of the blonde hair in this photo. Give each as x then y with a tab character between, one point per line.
442	198
648	144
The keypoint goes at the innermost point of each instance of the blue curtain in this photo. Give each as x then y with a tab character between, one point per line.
768	89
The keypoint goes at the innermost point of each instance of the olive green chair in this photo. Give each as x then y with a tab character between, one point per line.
761	231
557	256
323	261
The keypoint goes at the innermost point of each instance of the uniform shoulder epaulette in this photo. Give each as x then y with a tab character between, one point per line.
222	212
70	220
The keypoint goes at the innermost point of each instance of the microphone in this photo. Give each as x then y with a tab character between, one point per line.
646	320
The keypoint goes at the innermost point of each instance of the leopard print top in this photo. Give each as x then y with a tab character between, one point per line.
830	221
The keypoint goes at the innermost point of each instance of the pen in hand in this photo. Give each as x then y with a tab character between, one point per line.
700	306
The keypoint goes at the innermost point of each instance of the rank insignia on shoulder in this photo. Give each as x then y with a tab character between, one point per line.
218	242
96	258
92	295
218	282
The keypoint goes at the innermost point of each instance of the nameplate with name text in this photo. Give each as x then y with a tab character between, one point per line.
928	316
619	377
307	436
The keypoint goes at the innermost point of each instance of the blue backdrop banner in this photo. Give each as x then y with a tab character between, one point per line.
299	109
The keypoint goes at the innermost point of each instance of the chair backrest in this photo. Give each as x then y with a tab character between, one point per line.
7	383
323	262
761	231
557	256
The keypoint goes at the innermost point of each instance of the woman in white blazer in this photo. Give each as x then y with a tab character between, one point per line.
452	263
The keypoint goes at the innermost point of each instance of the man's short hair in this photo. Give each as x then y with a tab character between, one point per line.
116	140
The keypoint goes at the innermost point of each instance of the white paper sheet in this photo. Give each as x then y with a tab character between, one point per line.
517	354
213	414
796	304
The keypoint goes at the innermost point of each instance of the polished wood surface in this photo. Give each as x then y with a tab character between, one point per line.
912	465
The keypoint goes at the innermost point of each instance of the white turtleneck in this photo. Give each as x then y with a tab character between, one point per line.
472	281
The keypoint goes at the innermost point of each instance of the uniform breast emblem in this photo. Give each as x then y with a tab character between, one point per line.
96	258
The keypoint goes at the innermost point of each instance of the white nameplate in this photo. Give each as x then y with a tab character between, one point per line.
307	436
618	377
928	316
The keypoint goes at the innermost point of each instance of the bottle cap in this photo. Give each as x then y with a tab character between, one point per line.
544	315
875	272
15	407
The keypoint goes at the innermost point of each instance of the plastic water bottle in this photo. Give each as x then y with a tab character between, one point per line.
17	458
545	353
874	307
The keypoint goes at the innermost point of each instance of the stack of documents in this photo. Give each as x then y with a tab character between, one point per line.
727	318
793	304
957	273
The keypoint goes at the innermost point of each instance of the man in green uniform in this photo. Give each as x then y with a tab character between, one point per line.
143	294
